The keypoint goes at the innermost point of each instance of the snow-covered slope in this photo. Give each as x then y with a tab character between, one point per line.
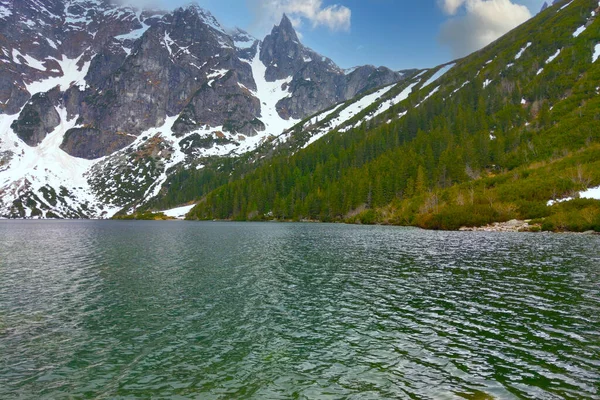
44	181
343	114
364	108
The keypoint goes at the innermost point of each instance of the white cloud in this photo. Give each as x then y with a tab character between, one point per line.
269	12
451	6
476	23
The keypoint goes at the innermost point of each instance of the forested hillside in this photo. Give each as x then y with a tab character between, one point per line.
497	136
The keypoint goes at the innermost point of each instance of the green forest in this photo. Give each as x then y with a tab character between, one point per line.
494	139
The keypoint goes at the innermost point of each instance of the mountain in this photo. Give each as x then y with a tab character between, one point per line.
510	131
317	82
101	103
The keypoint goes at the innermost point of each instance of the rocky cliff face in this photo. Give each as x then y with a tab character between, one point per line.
92	80
38	118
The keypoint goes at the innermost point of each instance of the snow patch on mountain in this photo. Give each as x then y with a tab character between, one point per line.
136	34
434	91
72	75
591	193
596	53
176	158
269	94
52	43
358	106
5	12
387	104
321	116
579	31
347	113
216	74
520	53
438	74
30	61
553	56
167	43
179	212
566	5
460	87
133	35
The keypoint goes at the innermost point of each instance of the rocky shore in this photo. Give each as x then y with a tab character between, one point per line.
514	226
509	226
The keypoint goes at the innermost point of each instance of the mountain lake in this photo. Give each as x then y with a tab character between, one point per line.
215	310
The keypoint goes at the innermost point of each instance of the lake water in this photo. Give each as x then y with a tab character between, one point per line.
109	309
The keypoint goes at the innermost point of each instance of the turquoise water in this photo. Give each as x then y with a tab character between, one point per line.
108	309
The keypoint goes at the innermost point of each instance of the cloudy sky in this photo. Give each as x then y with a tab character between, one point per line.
396	33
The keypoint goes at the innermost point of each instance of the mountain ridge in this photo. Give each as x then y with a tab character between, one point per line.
141	92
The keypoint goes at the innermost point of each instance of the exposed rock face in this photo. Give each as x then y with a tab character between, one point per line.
92	143
224	102
171	68
366	78
138	68
38	118
195	141
12	97
282	52
106	63
37	35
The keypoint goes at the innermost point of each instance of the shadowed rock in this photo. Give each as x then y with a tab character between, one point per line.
38	118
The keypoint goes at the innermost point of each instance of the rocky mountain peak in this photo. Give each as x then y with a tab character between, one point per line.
194	23
316	80
286	29
193	10
282	52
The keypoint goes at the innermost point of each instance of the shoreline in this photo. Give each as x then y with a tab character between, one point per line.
512	226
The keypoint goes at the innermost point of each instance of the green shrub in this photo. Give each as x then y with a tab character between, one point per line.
367	217
533	209
548	226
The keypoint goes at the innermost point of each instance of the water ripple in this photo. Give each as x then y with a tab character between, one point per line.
278	311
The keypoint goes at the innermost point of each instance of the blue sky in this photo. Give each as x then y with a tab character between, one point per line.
395	33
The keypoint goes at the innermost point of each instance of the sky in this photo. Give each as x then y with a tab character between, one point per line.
399	34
